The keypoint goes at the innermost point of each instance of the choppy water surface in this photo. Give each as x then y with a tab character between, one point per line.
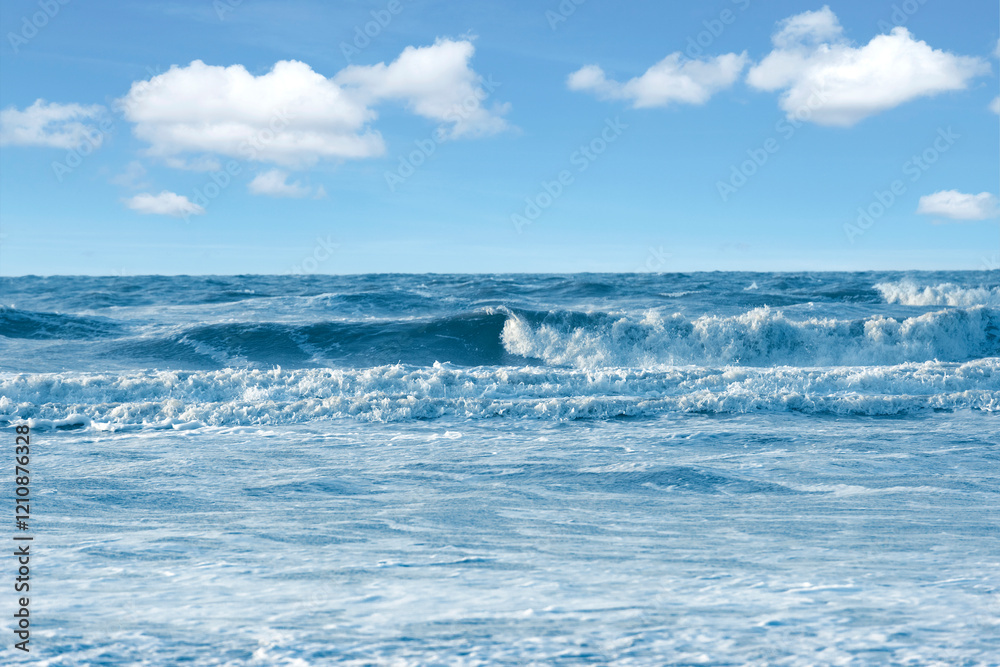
605	469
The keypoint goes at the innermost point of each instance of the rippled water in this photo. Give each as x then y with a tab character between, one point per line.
597	469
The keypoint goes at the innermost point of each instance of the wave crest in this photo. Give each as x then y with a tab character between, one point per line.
761	337
235	397
16	323
907	293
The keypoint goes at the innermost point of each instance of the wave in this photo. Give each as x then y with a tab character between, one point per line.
501	336
908	293
760	337
15	323
235	397
467	339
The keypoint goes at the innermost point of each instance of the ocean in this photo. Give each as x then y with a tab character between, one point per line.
640	469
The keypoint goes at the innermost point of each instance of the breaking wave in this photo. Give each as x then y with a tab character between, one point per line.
761	337
233	397
246	350
908	293
499	336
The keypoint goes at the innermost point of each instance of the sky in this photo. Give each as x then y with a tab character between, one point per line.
300	136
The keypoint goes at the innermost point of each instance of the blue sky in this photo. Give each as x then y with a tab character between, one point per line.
686	136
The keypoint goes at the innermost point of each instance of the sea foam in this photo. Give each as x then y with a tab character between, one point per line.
760	337
908	293
230	397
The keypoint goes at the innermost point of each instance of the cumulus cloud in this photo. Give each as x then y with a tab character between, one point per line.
435	82
959	205
808	28
840	84
165	203
51	124
995	105
675	79
293	116
274	183
290	115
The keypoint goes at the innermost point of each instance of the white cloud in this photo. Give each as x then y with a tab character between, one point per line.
51	124
808	28
274	183
290	115
959	206
165	203
200	163
838	84
673	79
995	105
435	82
293	116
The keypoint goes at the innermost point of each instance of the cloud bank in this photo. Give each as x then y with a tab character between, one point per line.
435	82
294	116
959	205
675	79
274	183
165	203
52	125
812	61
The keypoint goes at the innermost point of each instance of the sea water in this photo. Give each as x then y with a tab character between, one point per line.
717	469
